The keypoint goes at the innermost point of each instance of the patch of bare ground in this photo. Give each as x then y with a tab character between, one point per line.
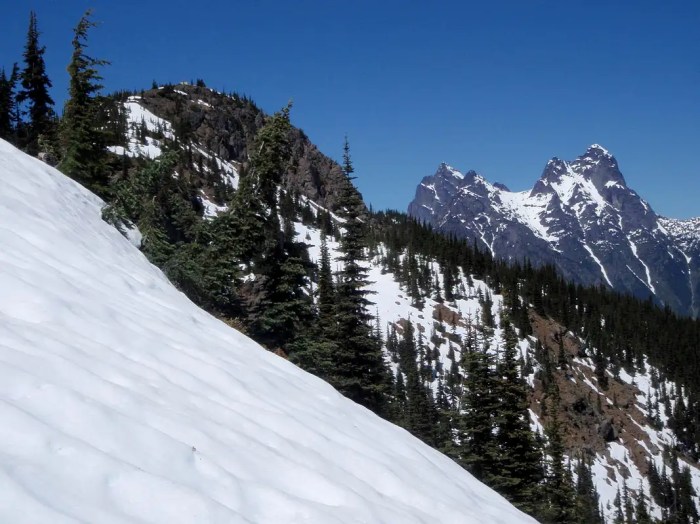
590	415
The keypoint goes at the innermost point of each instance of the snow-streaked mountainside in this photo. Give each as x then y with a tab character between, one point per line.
123	402
580	216
618	460
621	429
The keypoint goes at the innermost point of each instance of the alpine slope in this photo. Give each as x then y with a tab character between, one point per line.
121	401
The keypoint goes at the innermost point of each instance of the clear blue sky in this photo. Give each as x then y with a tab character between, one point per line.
499	87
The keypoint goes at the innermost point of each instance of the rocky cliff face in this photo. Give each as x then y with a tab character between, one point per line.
580	216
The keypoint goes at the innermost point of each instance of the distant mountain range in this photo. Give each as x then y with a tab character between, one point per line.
581	217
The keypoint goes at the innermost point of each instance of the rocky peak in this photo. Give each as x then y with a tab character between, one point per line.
580	216
599	166
553	172
445	170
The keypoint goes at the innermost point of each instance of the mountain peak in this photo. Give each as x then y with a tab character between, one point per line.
597	149
600	166
446	170
596	154
555	169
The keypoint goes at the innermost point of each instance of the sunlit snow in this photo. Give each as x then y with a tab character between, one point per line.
123	402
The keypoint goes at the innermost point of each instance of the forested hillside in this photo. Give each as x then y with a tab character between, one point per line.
578	404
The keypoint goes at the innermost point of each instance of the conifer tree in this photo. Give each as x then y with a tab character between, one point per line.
479	405
420	416
35	91
82	127
558	488
282	309
278	307
315	348
619	517
325	290
8	104
518	471
640	508
587	499
359	369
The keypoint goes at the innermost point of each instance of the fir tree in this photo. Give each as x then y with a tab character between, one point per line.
558	488
278	306
83	136
641	509
419	416
587	499
8	104
35	91
519	472
479	406
325	290
291	310
360	372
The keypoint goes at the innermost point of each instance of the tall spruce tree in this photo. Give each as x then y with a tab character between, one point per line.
82	127
314	350
35	92
279	308
479	405
587	499
283	310
519	472
558	488
359	369
325	290
8	104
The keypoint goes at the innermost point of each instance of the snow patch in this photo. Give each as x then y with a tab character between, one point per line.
124	402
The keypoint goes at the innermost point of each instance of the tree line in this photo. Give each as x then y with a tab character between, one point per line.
77	140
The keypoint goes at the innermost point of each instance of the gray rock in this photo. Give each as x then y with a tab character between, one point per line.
607	430
580	216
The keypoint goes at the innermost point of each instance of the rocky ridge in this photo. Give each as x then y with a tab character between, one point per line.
580	216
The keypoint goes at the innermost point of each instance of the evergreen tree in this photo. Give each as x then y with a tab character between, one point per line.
278	306
641	509
325	290
600	370
315	349
587	499
359	369
558	488
420	415
8	104
619	517
35	91
518	470
83	135
479	406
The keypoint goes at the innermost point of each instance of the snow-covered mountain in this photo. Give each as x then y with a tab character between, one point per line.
580	216
621	430
123	402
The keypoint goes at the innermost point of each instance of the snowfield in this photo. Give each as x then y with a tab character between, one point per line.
121	401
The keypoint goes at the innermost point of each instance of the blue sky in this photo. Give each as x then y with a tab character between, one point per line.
499	87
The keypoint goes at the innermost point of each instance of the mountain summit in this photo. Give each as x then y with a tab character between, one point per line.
580	216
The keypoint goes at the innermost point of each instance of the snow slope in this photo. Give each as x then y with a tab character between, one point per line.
121	401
